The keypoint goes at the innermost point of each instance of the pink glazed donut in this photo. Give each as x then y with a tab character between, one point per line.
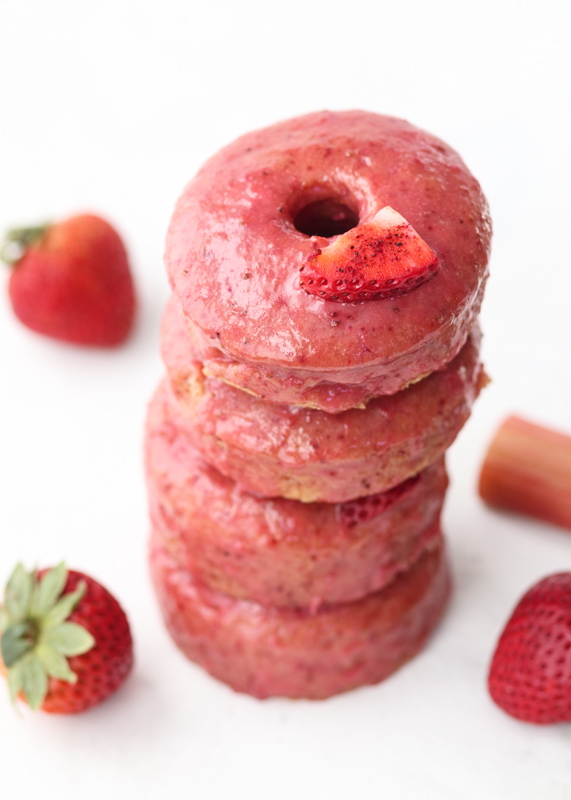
275	551
258	209
305	454
266	651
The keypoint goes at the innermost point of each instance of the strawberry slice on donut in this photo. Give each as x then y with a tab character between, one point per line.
382	258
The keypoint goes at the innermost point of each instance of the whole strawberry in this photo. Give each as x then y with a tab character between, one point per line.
530	674
66	644
72	281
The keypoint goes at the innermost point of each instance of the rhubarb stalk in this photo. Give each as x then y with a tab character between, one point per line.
527	469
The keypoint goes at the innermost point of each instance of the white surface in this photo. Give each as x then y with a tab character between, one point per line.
112	106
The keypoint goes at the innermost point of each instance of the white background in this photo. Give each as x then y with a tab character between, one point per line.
111	106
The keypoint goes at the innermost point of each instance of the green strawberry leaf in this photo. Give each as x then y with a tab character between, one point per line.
55	664
19	593
15	680
69	639
34	681
4	619
64	606
47	590
17	240
17	640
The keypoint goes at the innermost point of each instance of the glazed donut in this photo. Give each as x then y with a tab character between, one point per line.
259	209
309	455
277	551
265	651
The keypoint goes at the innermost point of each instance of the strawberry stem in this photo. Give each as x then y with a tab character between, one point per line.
17	240
37	636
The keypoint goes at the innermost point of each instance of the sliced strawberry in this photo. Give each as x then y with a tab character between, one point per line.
356	512
382	258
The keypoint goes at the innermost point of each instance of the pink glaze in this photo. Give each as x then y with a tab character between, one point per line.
309	455
277	551
233	256
265	651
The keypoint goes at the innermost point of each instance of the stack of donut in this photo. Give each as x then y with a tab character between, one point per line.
295	450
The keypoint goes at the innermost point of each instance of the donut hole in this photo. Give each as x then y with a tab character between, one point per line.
327	217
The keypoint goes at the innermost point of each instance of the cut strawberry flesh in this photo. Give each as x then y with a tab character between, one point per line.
527	469
363	509
382	258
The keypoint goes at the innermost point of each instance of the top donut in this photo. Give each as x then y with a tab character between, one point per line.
258	209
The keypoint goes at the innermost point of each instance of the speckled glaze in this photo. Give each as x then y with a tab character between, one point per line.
277	551
306	454
265	651
233	256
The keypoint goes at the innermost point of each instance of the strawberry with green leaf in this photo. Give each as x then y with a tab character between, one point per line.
66	644
71	280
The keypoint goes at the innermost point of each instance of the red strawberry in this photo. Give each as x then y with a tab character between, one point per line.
382	258
530	674
71	280
66	644
363	509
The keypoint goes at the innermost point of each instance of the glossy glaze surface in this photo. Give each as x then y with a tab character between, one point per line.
277	551
233	255
306	454
266	652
